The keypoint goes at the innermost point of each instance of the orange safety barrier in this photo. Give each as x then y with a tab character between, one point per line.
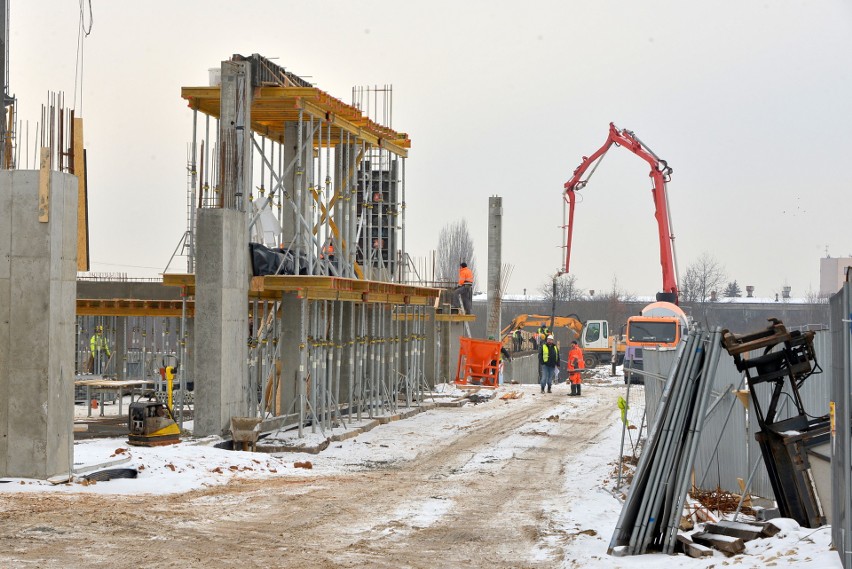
478	362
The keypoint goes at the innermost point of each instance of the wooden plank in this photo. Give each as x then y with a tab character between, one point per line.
177	279
44	186
133	307
724	543
745	532
82	197
692	549
455	318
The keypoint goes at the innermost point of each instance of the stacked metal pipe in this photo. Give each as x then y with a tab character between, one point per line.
651	514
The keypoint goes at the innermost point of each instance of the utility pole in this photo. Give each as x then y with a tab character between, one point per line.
553	302
495	252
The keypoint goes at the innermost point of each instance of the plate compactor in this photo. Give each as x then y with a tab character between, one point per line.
151	423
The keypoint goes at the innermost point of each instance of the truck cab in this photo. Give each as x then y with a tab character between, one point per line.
597	340
661	325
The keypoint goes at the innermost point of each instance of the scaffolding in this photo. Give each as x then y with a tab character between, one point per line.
340	336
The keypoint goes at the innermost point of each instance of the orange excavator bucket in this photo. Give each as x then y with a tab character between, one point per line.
478	362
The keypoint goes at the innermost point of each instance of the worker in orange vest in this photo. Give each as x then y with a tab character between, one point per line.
575	364
464	292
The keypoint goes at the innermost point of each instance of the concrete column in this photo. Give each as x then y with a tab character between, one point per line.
431	348
455	332
296	182
221	320
495	262
235	156
38	291
347	360
292	345
120	348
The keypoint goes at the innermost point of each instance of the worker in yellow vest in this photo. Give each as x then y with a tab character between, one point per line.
548	359
99	351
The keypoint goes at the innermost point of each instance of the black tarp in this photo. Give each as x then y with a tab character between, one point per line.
268	261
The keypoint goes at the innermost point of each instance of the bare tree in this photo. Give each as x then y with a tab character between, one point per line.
814	297
703	277
567	288
455	246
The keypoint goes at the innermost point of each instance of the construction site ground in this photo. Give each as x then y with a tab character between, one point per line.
517	482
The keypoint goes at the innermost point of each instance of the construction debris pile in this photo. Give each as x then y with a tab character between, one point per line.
651	515
727	537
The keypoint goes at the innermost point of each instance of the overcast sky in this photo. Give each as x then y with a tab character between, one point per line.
749	102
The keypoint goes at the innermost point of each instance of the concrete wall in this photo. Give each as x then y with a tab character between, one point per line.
522	369
38	268
221	320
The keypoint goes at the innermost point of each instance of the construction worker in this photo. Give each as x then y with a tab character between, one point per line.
99	350
543	333
499	363
548	359
464	292
517	340
575	364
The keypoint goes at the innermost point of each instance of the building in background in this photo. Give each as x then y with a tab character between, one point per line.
832	274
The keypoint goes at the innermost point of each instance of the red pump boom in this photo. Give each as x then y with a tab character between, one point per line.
660	173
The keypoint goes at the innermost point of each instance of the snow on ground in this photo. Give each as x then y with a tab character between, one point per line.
585	503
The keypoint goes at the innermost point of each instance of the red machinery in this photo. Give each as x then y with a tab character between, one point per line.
479	363
660	173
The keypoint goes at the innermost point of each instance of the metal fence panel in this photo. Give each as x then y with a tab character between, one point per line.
723	450
657	363
841	487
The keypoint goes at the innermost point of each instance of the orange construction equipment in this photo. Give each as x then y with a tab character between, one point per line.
478	362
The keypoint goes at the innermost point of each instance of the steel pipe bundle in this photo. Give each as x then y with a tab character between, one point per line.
651	514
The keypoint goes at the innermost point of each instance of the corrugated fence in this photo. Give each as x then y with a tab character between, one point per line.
841	462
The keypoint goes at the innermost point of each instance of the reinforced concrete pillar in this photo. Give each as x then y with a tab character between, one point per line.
347	356
296	182
38	292
495	248
431	348
292	344
221	321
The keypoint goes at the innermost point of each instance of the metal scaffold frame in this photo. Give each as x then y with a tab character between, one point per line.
338	337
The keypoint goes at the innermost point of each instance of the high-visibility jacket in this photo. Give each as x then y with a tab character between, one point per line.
575	364
548	355
465	276
98	343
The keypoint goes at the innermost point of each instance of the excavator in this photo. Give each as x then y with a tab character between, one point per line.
594	336
661	324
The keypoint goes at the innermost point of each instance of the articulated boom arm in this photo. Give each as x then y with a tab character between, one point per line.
535	320
660	173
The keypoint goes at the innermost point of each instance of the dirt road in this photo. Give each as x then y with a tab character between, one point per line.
488	497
